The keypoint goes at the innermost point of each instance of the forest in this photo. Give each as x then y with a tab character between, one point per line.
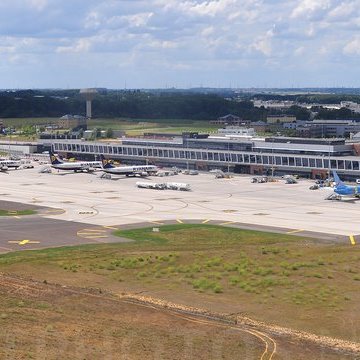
157	104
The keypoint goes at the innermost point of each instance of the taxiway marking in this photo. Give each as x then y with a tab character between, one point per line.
111	227
179	221
53	212
228	223
92	233
156	222
24	242
205	221
94	236
89	233
294	231
14	214
352	240
94	230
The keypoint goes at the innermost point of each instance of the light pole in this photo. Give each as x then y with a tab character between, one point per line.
186	152
329	170
228	164
273	158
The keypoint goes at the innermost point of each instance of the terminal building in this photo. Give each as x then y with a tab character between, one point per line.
272	155
311	158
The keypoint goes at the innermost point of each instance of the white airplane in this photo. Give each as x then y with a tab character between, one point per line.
76	166
7	164
164	186
141	170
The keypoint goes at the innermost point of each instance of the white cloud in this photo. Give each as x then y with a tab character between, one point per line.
38	4
7	49
134	20
308	8
80	46
344	10
211	8
263	43
299	51
93	20
352	47
195	36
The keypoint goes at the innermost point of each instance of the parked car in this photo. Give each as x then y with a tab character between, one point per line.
28	166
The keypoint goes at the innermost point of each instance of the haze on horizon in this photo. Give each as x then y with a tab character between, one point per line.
175	43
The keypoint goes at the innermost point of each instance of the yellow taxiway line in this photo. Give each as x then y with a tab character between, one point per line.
94	236
89	233
205	221
94	230
179	221
352	240
228	223
24	242
94	233
52	212
156	222
111	227
295	231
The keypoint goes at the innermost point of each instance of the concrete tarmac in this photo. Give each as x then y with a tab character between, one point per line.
84	201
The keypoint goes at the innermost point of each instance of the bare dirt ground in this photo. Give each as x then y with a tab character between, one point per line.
50	321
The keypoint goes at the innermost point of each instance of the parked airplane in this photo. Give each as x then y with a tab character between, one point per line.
342	189
7	164
76	166
141	170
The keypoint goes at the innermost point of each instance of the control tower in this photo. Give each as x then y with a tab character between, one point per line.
89	95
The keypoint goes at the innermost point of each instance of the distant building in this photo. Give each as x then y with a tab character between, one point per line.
237	130
91	134
274	104
280	119
294	124
326	128
229	119
2	128
76	122
260	126
353	106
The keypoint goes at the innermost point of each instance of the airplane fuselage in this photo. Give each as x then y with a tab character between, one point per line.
131	170
347	190
77	166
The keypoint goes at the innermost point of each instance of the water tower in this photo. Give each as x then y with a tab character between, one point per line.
89	95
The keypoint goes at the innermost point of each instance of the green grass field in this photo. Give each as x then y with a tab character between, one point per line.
285	279
131	126
16	212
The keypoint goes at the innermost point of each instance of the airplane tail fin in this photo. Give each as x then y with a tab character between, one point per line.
106	164
337	179
54	159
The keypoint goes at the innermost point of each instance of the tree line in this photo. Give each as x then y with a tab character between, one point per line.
143	105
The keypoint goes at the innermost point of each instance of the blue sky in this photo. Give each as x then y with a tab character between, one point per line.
179	43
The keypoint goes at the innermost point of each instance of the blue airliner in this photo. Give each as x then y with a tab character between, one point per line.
345	190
